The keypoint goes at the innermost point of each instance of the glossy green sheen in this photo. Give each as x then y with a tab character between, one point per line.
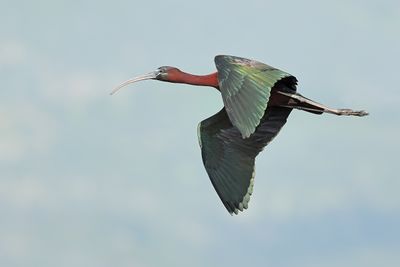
229	159
245	86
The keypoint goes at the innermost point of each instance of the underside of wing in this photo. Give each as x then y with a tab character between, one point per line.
246	86
229	159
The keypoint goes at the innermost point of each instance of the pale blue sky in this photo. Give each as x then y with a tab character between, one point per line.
87	179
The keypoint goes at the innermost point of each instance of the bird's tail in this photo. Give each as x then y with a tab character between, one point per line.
300	102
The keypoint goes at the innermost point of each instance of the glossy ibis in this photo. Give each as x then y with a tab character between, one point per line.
257	100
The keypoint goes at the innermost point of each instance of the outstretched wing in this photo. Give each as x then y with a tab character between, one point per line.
229	159
245	87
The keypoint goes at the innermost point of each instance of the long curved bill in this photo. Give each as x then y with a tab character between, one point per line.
148	76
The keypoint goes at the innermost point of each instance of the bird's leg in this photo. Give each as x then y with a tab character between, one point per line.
298	101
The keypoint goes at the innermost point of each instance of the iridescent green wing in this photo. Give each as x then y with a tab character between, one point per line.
245	86
229	159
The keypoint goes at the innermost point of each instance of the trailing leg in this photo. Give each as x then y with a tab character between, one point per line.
298	101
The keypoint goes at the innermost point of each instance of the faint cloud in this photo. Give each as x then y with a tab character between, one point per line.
23	192
193	232
285	203
363	187
369	256
12	53
75	89
25	131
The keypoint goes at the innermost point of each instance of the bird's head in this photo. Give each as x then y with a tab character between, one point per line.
164	73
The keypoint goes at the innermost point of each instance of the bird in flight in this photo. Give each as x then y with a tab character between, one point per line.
257	101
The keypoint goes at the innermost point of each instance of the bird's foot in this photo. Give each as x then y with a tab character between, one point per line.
350	112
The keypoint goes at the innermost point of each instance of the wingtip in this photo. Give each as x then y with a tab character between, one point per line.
244	204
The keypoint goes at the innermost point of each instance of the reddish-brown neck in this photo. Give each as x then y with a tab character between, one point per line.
178	76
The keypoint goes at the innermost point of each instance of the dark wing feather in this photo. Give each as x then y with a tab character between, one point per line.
229	159
246	86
